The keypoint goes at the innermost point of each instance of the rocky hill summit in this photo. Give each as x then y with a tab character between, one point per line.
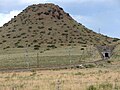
47	24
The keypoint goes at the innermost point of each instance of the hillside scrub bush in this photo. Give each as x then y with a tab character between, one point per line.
49	29
46	13
66	31
39	13
41	27
8	34
20	46
41	18
20	29
60	8
89	66
64	24
30	27
115	39
61	44
13	30
23	33
3	36
108	61
49	33
36	45
4	41
24	37
68	14
34	41
84	45
36	48
51	46
82	49
7	47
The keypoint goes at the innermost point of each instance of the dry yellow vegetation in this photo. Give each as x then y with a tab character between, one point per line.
70	79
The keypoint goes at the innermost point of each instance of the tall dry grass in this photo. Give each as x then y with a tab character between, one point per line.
71	79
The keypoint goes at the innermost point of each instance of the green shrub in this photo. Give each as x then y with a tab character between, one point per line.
0	43
13	30
82	49
7	34
91	87
52	46
36	48
36	45
84	45
79	73
23	33
4	40
106	86
34	41
89	65
20	46
8	47
49	29
30	27
108	61
115	39
40	27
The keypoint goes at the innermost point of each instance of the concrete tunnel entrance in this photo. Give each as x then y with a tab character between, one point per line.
106	51
107	55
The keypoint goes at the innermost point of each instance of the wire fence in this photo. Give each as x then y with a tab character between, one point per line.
55	59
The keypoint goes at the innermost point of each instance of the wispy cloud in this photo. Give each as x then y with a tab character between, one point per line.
84	19
4	18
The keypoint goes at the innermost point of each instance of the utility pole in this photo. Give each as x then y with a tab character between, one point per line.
99	31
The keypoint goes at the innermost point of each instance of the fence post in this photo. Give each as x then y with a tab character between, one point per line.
27	59
58	85
37	60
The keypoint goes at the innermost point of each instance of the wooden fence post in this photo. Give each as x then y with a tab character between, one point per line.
58	85
37	60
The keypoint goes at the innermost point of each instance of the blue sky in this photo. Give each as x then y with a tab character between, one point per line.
94	14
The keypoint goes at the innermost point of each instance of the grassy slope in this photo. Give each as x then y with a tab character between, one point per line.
66	55
49	58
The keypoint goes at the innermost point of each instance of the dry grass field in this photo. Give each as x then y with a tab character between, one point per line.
70	79
105	76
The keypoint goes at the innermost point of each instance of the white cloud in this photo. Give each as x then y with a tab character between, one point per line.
93	0
96	1
44	1
14	2
32	1
83	19
4	18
